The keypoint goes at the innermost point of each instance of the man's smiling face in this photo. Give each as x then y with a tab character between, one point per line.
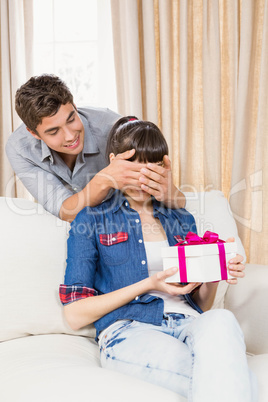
62	132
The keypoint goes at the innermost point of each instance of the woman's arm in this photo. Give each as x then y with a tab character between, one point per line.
83	312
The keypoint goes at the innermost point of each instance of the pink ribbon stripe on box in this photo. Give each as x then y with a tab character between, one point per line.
193	239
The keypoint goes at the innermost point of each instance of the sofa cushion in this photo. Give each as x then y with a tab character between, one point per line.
248	301
32	261
66	368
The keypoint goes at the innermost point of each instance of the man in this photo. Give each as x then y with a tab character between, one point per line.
59	153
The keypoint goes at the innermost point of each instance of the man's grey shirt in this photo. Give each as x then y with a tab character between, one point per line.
43	172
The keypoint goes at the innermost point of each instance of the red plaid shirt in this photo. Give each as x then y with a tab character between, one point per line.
70	293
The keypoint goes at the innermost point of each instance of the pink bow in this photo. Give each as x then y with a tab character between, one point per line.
193	239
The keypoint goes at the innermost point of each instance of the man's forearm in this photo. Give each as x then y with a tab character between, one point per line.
91	195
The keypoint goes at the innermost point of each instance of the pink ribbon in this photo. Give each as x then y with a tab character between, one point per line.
193	239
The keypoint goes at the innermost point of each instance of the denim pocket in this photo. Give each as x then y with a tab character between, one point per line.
114	248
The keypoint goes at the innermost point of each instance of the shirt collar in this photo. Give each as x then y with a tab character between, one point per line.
46	151
117	199
90	144
160	207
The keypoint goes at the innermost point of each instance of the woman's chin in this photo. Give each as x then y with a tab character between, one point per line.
138	195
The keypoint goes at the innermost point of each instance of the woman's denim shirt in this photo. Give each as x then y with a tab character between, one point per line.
106	252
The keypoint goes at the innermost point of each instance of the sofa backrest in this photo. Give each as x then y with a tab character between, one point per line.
33	257
32	265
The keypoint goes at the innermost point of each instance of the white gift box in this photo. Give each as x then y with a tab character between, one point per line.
202	262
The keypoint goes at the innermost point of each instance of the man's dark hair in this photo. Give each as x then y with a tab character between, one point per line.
40	97
144	136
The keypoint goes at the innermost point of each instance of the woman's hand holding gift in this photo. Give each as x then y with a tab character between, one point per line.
157	282
235	266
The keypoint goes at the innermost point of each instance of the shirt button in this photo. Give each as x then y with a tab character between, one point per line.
137	298
75	188
143	262
126	204
137	220
140	241
113	239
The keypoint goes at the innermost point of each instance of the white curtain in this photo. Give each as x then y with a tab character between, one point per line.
16	67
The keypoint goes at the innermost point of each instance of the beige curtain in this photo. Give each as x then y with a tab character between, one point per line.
15	66
199	69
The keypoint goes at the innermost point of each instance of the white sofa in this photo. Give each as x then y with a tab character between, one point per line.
42	359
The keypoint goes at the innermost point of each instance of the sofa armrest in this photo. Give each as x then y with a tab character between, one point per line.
248	301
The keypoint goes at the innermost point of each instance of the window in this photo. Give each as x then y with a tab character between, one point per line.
73	39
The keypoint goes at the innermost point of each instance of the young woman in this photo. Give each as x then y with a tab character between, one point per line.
160	332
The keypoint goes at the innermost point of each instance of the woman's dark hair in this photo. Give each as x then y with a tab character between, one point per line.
144	136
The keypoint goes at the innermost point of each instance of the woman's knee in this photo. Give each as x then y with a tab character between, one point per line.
223	317
221	323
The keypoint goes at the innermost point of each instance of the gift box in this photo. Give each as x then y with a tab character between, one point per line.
199	259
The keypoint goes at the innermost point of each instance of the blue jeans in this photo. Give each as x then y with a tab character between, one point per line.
201	358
